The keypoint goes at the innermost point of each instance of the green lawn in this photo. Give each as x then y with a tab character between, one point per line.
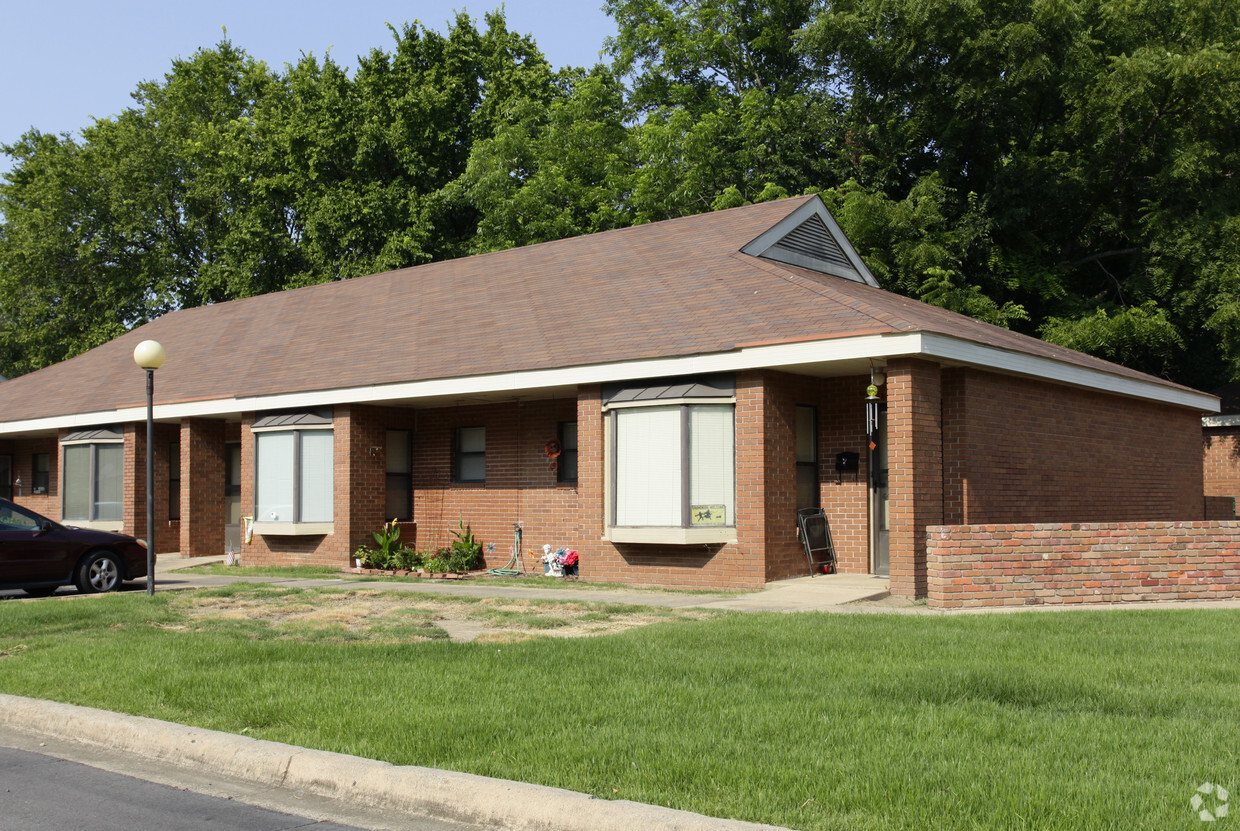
1071	720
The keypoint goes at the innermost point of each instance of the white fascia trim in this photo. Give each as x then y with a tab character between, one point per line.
758	246
1221	421
782	355
956	349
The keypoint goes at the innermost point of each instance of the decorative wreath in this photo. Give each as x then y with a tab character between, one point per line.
552	448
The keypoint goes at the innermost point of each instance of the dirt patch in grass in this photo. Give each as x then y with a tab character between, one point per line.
378	616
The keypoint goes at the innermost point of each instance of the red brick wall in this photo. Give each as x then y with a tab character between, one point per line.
167	536
1220	508
521	488
1221	461
359	451
23	451
520	485
1025	565
845	498
840	406
915	461
1021	450
203	468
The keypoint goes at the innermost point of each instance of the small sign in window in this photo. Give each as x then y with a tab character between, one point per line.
708	515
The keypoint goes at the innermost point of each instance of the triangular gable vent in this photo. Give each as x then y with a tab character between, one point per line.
811	238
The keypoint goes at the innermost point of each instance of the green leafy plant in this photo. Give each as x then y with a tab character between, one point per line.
389	554
440	562
465	549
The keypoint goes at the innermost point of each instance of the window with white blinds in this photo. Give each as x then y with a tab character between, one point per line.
295	479
674	465
648	466
94	482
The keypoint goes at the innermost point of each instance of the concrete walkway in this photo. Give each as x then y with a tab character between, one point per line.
802	594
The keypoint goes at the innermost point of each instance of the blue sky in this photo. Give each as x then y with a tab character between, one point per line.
66	61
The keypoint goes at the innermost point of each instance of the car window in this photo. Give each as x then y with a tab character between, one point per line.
13	518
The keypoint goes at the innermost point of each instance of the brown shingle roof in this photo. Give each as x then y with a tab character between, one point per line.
673	288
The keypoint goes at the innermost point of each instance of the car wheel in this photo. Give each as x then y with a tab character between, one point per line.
99	572
40	591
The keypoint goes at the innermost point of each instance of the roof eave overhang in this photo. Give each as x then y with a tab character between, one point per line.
790	356
1232	420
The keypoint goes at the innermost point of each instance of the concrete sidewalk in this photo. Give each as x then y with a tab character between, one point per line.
802	594
394	796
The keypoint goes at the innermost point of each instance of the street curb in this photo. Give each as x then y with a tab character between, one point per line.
415	791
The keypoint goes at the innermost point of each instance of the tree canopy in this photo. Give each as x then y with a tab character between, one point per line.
1062	167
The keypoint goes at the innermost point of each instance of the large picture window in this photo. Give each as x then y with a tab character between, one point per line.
94	482
295	476
674	466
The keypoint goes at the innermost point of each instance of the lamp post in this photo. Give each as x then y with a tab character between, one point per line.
150	356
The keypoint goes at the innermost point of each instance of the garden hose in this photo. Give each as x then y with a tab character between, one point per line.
508	570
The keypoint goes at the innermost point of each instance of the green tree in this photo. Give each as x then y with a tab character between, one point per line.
1093	136
556	169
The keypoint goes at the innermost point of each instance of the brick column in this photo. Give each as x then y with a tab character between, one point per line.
203	470
598	557
133	511
915	462
361	475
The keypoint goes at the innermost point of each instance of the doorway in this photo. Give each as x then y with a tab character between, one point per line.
880	503
232	496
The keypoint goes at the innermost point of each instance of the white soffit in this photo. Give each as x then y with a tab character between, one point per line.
791	241
781	355
1221	421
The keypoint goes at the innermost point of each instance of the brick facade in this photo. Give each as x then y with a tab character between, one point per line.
915	461
522	488
22	452
203	465
1021	450
1023	565
1221	461
964	447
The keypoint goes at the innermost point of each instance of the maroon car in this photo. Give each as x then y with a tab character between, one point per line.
39	555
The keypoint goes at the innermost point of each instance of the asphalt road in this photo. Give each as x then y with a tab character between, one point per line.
50	785
43	793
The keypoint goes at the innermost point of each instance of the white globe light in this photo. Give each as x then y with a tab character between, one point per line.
149	354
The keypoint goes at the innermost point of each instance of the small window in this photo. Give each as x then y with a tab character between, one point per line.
399	475
471	454
807	457
566	470
174	481
41	467
6	477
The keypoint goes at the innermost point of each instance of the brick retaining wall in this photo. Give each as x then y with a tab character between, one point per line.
1025	565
